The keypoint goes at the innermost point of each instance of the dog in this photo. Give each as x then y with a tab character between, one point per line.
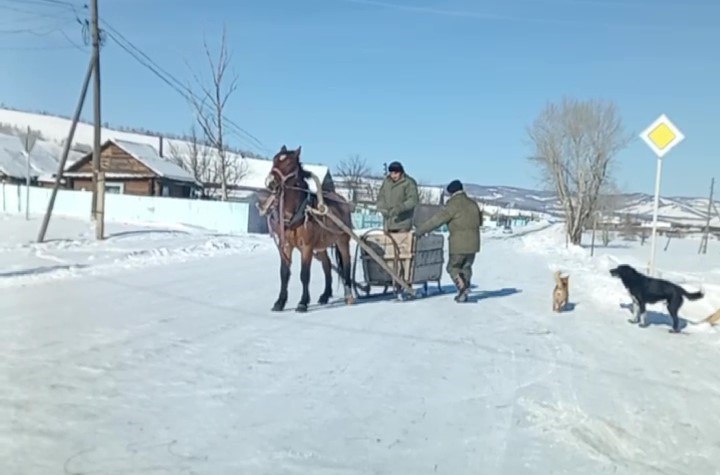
645	290
713	319
561	292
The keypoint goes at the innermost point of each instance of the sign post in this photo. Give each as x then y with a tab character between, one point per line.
661	136
28	140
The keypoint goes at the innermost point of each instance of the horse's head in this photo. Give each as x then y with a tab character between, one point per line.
286	169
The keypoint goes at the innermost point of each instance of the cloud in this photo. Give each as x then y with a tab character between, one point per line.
511	18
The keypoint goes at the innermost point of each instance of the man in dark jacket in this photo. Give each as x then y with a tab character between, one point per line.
464	219
397	199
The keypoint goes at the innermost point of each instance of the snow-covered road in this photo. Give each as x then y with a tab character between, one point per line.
181	368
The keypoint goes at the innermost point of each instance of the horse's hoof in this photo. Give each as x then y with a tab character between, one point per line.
630	320
323	300
350	300
673	330
644	325
302	308
278	307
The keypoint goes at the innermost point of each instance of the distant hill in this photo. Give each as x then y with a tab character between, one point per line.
682	210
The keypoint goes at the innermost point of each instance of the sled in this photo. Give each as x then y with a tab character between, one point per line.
417	261
397	260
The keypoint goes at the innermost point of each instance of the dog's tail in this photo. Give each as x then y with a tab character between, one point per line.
713	319
693	295
557	278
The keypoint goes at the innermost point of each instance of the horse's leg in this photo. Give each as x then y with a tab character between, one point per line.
346	267
284	279
306	253
322	256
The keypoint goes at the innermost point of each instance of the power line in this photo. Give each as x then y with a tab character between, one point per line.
55	2
43	2
31	12
30	31
176	84
36	48
37	33
239	131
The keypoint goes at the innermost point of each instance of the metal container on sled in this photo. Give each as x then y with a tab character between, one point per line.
416	260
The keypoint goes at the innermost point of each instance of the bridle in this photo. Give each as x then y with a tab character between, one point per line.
279	197
276	201
282	177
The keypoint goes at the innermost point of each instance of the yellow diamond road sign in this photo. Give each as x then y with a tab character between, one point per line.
662	136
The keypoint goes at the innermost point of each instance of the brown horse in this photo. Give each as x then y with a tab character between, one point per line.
296	227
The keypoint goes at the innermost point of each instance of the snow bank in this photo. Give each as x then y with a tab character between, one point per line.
590	274
71	250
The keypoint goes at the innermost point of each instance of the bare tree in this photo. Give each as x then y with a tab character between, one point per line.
196	158
608	204
354	171
372	188
575	144
209	105
628	231
426	195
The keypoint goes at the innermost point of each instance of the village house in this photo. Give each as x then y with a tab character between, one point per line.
133	169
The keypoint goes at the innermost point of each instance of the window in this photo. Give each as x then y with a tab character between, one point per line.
116	188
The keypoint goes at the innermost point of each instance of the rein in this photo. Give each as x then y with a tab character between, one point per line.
305	210
281	222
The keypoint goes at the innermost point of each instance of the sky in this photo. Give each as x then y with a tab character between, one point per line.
448	88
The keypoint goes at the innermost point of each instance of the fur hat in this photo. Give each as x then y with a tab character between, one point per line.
454	187
396	167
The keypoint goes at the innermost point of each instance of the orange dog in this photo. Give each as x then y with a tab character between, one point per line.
713	319
561	293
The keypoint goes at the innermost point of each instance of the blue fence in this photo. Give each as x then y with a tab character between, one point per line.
368	220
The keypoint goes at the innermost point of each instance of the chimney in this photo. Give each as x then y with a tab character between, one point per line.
160	150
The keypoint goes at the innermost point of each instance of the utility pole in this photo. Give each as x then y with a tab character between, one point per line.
98	200
66	151
704	242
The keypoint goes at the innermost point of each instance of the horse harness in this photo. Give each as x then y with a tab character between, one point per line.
299	217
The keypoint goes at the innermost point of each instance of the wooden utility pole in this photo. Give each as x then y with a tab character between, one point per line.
98	198
706	234
66	151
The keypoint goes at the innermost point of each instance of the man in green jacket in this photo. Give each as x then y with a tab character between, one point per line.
397	199
464	219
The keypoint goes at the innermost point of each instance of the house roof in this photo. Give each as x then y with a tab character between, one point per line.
44	157
148	156
256	171
11	158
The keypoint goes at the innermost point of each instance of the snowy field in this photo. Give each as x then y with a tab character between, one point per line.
154	352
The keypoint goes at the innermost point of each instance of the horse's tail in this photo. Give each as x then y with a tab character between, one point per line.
342	266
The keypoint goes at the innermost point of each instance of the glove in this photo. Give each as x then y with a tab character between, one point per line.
393	211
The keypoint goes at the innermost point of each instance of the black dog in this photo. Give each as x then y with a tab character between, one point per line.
645	290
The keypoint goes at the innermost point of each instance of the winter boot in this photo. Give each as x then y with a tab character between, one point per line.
463	289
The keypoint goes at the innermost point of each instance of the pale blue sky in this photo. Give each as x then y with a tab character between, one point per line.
446	87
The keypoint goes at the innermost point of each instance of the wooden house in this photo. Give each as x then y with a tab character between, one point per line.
133	169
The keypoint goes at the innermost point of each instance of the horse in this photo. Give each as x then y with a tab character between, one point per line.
295	227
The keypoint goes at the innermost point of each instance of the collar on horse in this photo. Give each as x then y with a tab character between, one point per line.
299	215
